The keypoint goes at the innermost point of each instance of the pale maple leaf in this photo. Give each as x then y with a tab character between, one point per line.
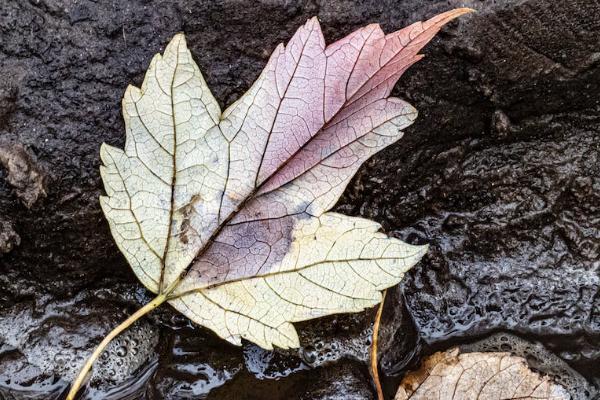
225	215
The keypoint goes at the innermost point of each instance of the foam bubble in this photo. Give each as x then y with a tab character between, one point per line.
126	354
327	350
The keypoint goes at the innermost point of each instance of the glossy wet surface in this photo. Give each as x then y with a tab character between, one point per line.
500	174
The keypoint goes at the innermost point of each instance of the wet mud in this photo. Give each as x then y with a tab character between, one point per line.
500	174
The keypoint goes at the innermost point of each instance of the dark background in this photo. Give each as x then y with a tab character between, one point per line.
500	174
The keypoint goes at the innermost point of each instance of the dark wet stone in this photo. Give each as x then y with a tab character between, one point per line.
346	381
500	174
8	95
193	365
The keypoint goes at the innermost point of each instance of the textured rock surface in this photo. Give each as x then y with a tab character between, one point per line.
500	173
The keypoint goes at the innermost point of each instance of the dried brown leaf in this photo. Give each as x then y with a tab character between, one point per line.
483	376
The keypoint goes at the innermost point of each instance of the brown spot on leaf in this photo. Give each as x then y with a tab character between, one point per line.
186	211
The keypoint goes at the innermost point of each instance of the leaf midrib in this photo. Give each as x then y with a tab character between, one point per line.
173	175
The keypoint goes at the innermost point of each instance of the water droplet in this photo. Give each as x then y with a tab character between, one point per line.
121	351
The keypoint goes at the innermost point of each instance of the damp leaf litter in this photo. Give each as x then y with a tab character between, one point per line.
453	375
225	214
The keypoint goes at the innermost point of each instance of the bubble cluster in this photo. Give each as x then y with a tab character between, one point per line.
271	364
326	350
126	354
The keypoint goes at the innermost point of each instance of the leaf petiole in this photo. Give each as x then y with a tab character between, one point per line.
374	365
114	333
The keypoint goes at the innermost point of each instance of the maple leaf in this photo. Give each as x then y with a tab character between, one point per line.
225	215
477	376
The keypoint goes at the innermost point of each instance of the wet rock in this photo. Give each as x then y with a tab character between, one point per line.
512	218
499	174
344	382
399	347
18	376
522	255
336	338
46	340
265	364
23	174
8	96
193	365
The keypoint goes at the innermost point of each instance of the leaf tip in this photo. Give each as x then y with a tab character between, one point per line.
442	19
133	91
176	44
179	37
411	112
314	27
455	13
103	152
313	20
465	10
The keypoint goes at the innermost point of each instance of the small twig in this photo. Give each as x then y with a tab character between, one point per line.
374	369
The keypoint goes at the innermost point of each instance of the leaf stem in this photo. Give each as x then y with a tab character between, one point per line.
374	369
114	333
